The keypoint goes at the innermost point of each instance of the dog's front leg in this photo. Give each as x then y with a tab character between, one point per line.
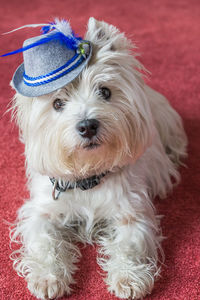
128	253
47	257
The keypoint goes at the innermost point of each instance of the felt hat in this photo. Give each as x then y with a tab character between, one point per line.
51	60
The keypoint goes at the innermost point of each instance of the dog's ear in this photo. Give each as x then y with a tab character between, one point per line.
103	34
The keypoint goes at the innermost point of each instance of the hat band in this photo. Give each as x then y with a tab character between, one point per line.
72	64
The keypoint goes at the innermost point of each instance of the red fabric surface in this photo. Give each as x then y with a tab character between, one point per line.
167	34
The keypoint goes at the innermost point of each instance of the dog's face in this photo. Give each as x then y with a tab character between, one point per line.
99	121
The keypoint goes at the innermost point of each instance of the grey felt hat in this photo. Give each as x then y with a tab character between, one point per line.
49	63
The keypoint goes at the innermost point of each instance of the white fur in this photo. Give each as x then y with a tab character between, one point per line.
141	143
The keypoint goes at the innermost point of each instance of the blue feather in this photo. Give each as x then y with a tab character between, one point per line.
46	29
70	42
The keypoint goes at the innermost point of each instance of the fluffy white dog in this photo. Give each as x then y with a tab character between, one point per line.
97	151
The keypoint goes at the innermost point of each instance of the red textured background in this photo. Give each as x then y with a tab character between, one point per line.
168	36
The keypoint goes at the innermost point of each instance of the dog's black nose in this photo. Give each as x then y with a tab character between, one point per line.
88	128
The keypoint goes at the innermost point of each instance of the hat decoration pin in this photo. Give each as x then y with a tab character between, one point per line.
51	60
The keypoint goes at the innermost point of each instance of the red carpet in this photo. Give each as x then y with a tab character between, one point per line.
168	36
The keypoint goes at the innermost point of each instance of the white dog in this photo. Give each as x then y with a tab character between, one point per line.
109	133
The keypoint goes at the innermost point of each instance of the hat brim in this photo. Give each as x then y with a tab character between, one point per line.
43	89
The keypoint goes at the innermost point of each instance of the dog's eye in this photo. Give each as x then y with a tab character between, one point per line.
58	104
105	93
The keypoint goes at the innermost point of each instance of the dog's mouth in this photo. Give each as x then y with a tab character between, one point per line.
91	146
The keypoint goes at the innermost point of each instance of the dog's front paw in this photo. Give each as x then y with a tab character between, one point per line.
131	284
47	287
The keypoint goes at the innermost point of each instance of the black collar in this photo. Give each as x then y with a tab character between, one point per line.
83	184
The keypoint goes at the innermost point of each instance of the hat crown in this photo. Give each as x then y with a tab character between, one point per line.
45	58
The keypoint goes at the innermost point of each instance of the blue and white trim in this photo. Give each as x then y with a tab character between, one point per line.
72	64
